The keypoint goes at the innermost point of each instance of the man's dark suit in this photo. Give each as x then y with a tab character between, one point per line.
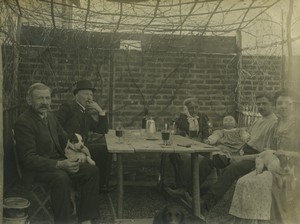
74	119
39	148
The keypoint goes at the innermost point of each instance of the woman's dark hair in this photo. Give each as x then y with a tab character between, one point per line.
269	96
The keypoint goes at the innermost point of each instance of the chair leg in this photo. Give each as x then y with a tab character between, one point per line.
41	203
42	206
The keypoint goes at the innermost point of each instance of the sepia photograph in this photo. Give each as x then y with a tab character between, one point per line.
150	111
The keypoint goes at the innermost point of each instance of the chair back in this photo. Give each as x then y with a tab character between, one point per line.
37	192
247	114
18	166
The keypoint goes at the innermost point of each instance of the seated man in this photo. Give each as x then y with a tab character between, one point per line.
261	133
230	139
85	117
40	143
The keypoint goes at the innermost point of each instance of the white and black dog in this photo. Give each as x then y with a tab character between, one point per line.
75	148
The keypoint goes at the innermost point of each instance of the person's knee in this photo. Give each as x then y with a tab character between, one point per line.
91	172
61	179
234	170
94	171
220	161
205	163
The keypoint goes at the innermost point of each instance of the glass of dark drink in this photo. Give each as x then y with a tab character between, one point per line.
193	133
165	135
119	134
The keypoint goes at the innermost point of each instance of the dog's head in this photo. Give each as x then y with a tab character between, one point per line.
286	163
174	214
170	214
75	142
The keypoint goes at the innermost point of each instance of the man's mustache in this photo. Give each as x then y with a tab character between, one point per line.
44	106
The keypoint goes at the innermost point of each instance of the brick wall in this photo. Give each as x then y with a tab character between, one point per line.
158	81
133	80
161	81
259	74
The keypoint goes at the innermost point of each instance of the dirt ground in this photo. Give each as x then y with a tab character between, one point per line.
140	202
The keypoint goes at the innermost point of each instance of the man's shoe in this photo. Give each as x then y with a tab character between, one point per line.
207	202
187	199
175	193
203	207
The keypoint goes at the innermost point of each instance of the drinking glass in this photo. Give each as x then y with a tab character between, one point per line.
119	134
193	132
165	135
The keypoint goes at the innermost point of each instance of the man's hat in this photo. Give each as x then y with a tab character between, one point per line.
83	85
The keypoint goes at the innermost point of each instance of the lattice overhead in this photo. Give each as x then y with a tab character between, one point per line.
198	17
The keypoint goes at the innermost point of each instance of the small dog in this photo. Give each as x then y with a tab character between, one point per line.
267	160
288	172
75	148
173	214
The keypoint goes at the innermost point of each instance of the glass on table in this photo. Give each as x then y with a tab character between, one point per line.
119	133
193	132
165	135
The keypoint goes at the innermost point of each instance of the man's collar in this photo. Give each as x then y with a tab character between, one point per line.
37	113
81	107
43	115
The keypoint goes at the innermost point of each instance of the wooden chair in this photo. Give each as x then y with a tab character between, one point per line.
37	192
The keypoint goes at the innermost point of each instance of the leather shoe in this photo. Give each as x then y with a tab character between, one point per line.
175	193
208	202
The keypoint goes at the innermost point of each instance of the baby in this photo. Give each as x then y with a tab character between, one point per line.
230	139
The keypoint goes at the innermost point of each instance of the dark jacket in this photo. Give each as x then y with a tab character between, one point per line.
74	120
183	125
39	146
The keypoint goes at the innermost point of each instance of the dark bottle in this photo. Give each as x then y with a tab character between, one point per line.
144	120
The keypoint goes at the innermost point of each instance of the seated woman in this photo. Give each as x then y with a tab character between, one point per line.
273	196
189	121
230	139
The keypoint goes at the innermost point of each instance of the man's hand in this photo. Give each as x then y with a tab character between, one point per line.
70	165
236	159
92	105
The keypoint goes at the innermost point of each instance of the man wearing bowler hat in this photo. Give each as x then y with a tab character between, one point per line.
84	116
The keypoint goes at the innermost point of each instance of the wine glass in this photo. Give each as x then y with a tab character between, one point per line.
119	133
165	135
193	132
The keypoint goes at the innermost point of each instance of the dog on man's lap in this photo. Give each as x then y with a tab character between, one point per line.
75	148
174	214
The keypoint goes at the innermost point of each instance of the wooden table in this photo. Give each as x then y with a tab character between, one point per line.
138	141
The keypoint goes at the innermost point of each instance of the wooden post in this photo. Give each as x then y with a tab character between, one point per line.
111	87
238	66
288	80
120	187
196	185
1	136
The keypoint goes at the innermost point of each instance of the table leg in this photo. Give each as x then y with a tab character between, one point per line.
196	184
120	186
162	171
